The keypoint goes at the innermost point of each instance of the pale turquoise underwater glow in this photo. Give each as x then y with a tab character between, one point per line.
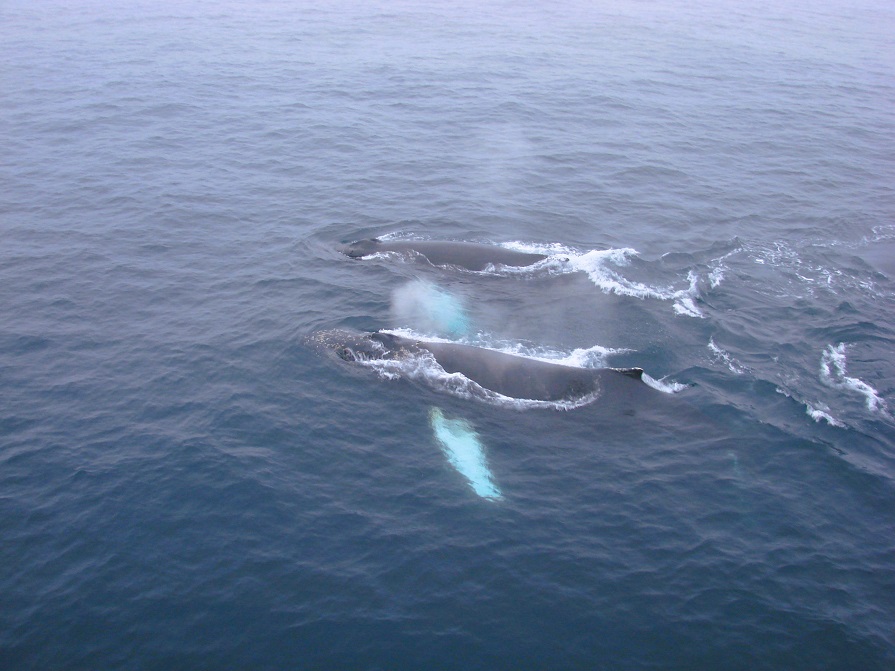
426	307
465	451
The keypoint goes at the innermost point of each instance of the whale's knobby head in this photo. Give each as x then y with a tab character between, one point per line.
357	347
361	248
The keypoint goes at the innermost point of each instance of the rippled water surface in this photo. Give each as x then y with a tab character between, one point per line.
189	478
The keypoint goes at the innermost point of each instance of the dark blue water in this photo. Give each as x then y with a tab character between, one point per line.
185	483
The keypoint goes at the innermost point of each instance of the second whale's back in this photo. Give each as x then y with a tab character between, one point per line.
468	255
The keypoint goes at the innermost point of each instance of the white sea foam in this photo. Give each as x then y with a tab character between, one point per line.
818	413
396	235
465	452
685	300
380	255
602	267
599	268
799	274
725	357
585	357
664	385
387	256
881	233
581	357
556	263
833	373
598	265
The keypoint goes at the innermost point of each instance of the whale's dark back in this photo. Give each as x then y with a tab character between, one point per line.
468	255
521	377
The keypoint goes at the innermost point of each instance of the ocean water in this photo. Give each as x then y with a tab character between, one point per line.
186	482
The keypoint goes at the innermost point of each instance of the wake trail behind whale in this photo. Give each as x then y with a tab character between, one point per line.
603	268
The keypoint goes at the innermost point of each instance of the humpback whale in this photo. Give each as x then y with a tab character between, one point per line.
510	375
468	255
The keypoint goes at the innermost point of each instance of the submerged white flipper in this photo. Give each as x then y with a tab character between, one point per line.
462	447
